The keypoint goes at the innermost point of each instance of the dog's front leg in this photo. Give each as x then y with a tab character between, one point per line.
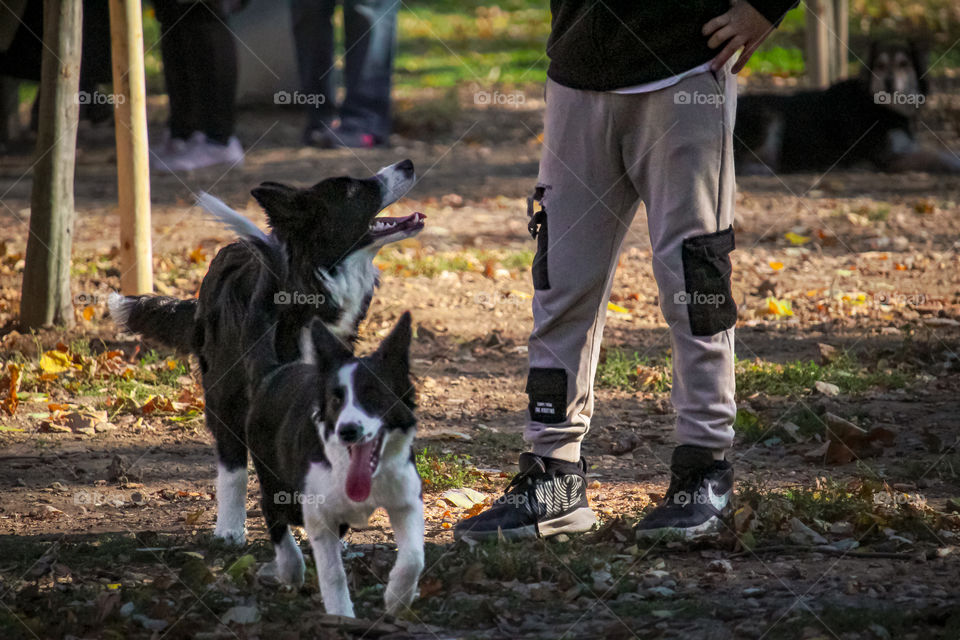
407	523
330	573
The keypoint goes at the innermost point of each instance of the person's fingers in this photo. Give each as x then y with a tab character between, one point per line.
721	36
716	23
726	54
744	57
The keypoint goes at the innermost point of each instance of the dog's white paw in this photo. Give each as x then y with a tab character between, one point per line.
234	537
401	591
275	573
287	566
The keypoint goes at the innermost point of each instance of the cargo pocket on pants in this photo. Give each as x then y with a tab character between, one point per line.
706	275
537	226
547	389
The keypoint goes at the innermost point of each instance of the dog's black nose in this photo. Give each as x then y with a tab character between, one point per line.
406	166
349	432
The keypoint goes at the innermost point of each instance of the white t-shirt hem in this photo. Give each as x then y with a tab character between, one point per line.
657	85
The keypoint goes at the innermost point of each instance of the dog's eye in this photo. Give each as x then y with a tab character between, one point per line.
336	398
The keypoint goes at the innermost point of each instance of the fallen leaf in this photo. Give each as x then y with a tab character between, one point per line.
198	255
57	361
464	498
11	402
776	266
779	307
796	238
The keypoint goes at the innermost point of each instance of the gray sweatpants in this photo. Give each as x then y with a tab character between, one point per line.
603	154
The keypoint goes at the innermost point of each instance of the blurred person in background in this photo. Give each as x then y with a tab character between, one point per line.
200	71
370	39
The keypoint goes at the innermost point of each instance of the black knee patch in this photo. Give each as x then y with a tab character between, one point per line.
547	389
706	275
537	226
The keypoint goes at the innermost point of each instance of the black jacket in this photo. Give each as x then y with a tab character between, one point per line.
601	45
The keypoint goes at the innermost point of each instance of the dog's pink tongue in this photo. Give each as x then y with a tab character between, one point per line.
359	474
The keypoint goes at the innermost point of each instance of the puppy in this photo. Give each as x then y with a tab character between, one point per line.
864	122
325	237
330	435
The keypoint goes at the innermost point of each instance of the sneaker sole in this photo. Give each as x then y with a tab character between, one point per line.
579	521
707	528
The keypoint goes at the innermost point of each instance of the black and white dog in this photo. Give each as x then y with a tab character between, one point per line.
868	121
326	236
330	436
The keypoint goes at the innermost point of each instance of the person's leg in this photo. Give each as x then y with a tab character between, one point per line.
206	58
214	58
177	67
587	206
370	30
684	173
313	37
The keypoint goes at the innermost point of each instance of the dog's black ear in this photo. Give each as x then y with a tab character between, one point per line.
395	348
327	350
278	200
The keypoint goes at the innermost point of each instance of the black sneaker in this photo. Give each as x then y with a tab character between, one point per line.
547	497
700	490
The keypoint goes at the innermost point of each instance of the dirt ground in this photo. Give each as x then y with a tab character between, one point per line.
868	261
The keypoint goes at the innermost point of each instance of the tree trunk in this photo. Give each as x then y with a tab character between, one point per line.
45	298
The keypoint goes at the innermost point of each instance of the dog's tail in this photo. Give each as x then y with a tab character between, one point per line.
228	217
260	324
170	321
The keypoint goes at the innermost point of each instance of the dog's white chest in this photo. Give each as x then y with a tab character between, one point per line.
350	287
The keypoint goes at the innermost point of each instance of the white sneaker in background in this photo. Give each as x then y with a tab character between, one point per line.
208	154
169	154
198	152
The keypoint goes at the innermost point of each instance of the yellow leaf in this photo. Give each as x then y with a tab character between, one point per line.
796	238
11	402
198	255
171	364
87	313
446	525
779	307
616	307
776	266
57	362
113	586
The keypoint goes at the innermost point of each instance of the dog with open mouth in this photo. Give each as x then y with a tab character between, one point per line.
326	237
330	436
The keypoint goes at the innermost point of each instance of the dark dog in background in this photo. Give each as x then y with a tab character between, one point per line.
326	236
863	122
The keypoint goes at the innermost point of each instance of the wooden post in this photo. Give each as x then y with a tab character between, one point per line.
841	26
133	161
45	296
818	42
